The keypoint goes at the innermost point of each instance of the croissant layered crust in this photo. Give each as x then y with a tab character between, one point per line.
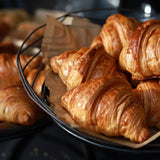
116	32
76	67
17	107
148	94
8	66
141	56
108	107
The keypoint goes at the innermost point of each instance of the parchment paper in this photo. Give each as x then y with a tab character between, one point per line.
59	38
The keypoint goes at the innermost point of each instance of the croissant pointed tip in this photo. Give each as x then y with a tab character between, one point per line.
143	135
24	118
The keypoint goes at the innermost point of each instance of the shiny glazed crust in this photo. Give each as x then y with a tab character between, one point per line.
76	67
108	107
116	32
141	55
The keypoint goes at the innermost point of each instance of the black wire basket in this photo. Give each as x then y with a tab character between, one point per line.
42	101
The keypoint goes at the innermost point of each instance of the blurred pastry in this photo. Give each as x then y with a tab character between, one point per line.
36	80
17	107
8	66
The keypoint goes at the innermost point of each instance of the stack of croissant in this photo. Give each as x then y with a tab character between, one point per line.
15	105
100	93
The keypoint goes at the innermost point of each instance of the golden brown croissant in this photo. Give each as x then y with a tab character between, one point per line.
76	67
8	66
39	80
17	107
148	94
108	107
96	40
116	32
141	56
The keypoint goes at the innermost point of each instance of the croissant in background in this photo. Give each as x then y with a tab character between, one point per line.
141	56
8	66
12	17
26	27
4	29
76	67
116	32
17	107
108	107
39	78
148	94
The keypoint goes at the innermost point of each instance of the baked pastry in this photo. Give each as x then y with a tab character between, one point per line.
107	106
17	107
4	30
36	80
12	17
8	47
8	66
116	32
76	67
148	94
96	40
141	56
26	27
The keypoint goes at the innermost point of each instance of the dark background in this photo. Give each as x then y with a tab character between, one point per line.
68	5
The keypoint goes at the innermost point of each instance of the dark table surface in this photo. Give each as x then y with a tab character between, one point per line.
50	142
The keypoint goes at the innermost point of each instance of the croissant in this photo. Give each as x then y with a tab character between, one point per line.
24	28
8	47
96	40
108	107
141	56
39	80
17	107
8	66
148	94
116	32
4	29
76	67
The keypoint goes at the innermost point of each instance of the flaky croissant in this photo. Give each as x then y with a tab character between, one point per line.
8	66
148	94
96	40
108	107
116	32
76	67
141	56
17	107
